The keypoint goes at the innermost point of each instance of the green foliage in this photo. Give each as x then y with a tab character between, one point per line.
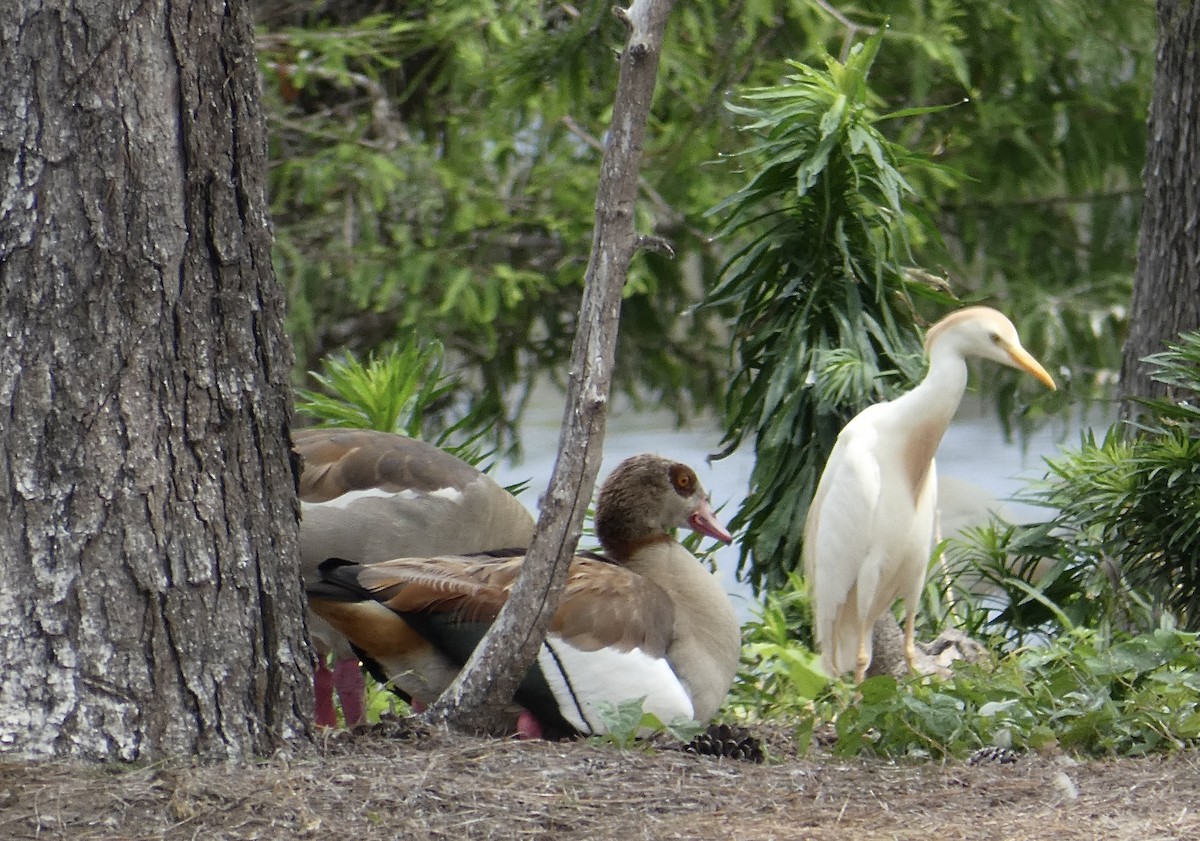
825	324
780	674
392	391
1050	140
434	172
1122	540
1178	367
1137	695
381	702
1005	583
403	390
1079	692
1134	502
435	175
1098	691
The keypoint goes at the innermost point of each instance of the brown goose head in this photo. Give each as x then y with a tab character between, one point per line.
646	497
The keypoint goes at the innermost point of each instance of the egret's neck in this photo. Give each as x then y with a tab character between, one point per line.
920	417
929	408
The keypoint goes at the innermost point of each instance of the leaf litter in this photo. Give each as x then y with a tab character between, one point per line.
402	780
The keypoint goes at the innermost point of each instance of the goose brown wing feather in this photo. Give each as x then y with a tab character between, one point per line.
337	461
607	606
603	605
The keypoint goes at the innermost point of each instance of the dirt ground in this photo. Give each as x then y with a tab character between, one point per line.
392	782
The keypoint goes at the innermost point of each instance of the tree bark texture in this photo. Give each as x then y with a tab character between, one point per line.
490	677
150	602
1166	291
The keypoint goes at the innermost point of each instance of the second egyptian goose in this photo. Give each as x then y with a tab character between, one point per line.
646	620
367	496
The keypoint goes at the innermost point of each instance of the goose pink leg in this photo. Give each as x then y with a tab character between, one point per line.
528	727
323	710
351	691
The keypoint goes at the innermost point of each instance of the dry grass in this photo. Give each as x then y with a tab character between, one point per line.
392	782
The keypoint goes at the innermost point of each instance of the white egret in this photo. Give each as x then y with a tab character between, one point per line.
869	532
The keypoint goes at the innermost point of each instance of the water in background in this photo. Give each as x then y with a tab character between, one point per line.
978	469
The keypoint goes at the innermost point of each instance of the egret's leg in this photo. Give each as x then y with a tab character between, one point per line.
910	647
864	659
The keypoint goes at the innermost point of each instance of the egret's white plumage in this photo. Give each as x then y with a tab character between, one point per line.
870	529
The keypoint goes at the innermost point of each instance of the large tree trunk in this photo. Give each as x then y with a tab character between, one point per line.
1166	294
150	602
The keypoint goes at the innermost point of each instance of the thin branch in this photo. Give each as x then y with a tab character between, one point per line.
510	646
852	28
659	245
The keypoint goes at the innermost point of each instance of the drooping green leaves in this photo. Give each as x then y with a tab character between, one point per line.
825	321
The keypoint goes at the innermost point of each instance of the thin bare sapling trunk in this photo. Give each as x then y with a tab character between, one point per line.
506	652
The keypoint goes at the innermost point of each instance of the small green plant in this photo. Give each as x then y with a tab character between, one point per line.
780	674
627	721
395	390
404	390
1138	695
382	701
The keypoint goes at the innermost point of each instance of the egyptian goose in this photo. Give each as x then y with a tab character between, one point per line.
368	496
869	532
644	620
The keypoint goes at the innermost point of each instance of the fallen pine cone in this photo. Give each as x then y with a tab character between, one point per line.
726	741
1004	756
